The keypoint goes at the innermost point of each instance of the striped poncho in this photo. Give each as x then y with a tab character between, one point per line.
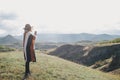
28	47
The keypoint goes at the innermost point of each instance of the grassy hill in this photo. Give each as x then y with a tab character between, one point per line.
47	68
106	58
109	42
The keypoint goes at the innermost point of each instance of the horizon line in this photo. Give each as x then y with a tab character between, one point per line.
65	34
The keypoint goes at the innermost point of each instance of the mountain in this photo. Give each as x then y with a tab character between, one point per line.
105	58
9	39
72	37
47	68
16	42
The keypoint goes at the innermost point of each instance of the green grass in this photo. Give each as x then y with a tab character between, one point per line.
5	49
111	42
47	68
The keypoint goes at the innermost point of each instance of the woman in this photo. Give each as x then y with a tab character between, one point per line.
28	48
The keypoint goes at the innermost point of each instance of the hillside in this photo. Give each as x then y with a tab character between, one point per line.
47	68
106	58
72	37
15	42
9	39
116	40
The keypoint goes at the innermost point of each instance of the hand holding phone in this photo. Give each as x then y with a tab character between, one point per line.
35	33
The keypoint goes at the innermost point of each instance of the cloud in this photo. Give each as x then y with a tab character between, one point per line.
7	16
74	16
8	23
2	31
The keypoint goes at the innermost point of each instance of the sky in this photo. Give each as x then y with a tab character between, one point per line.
60	16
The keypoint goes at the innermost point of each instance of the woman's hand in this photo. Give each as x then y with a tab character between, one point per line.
35	33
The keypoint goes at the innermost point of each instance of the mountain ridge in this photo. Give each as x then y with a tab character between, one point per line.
8	39
69	37
72	37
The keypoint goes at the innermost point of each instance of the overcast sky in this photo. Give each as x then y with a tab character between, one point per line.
60	16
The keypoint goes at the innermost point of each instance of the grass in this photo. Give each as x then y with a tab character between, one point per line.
47	68
5	49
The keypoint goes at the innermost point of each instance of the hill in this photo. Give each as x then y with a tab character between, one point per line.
14	42
114	41
105	58
9	39
72	37
47	68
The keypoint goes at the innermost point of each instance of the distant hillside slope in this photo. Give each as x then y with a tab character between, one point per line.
8	40
117	40
98	56
47	68
15	42
72	37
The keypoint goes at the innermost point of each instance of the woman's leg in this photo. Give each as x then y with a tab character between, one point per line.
27	68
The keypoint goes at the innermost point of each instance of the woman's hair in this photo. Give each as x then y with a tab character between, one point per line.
28	27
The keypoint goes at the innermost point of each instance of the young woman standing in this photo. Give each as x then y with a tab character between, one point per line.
28	48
